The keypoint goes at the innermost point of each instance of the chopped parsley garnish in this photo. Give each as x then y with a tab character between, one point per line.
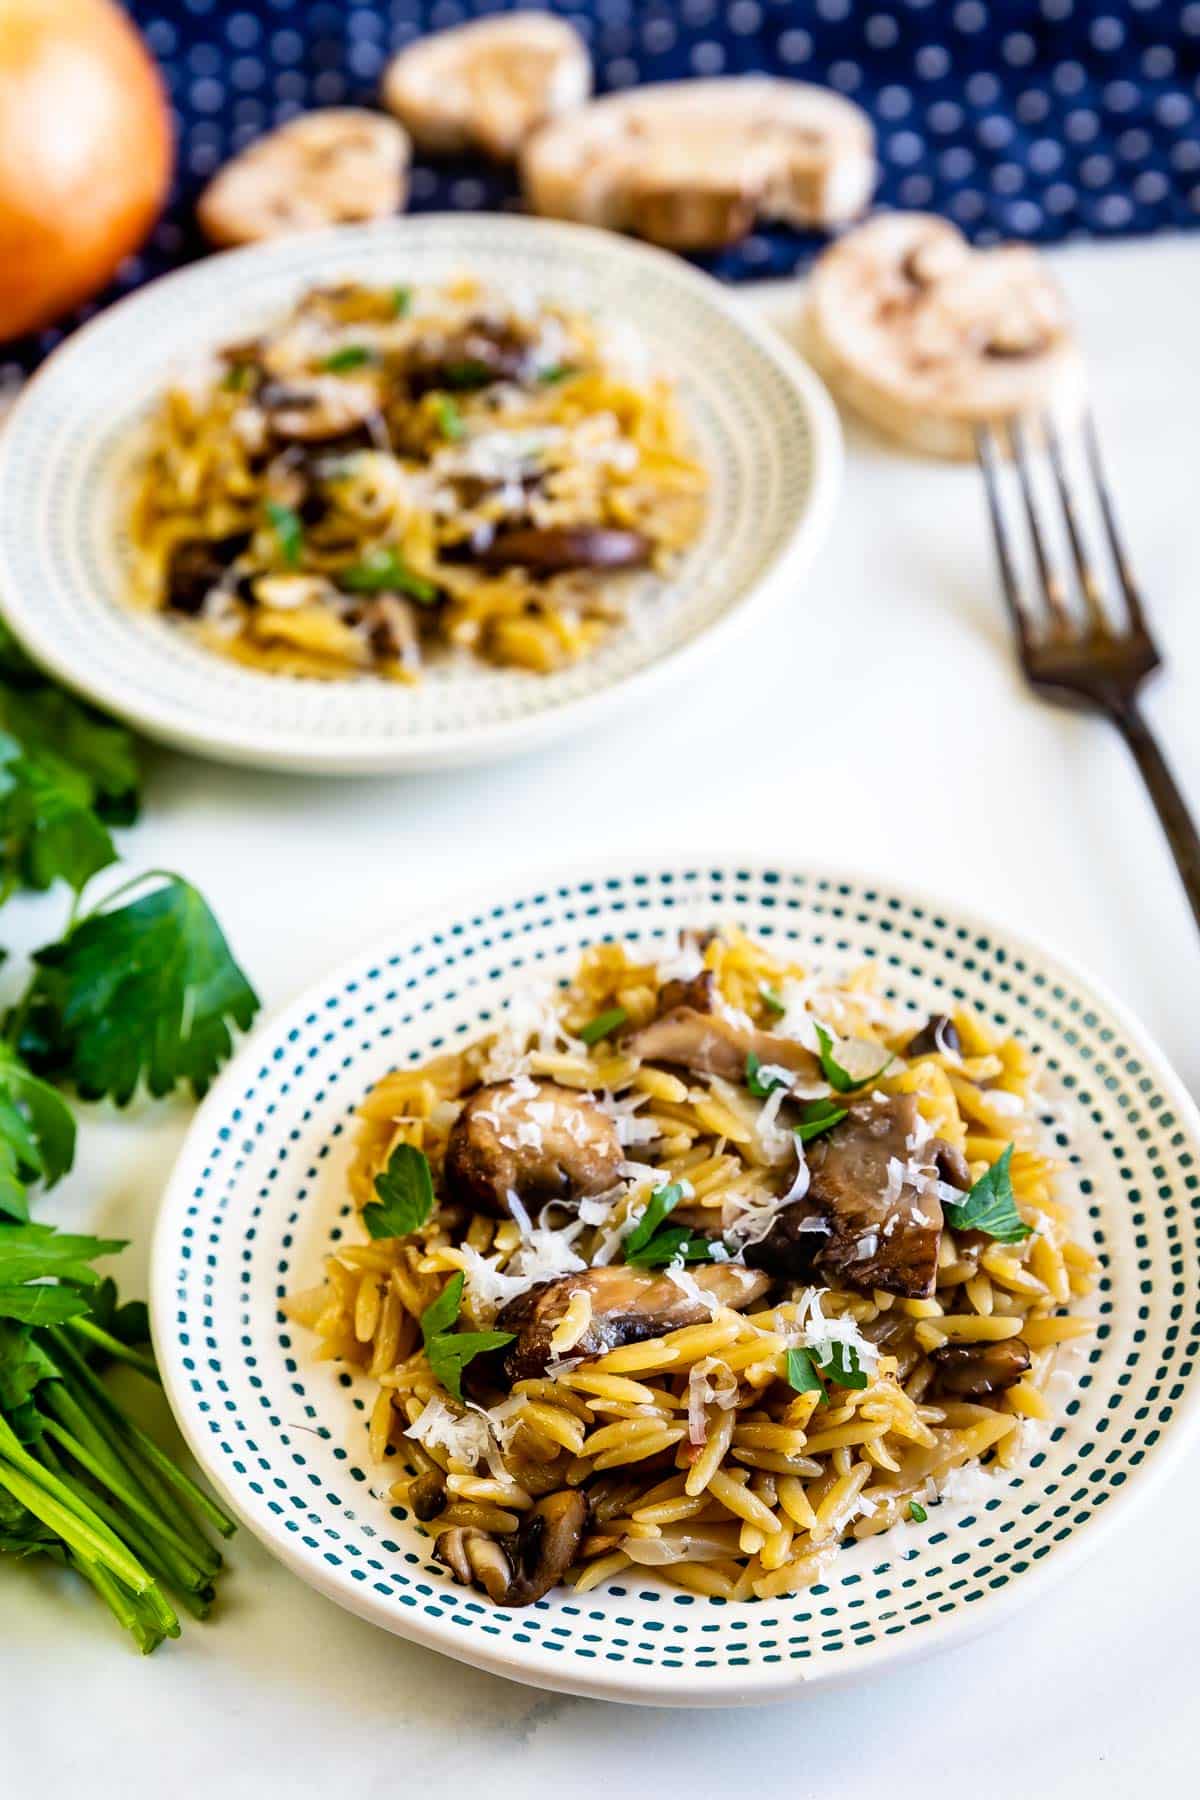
916	1512
237	377
449	418
818	1116
990	1206
447	1350
839	1078
401	302
350	356
771	1001
675	1244
383	571
762	1088
288	529
603	1024
148	989
556	372
37	1134
662	1201
405	1190
841	1366
467	374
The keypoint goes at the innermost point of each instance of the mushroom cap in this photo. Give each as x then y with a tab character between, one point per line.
929	338
691	164
322	168
488	84
536	1140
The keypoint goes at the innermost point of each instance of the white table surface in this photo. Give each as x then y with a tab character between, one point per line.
877	722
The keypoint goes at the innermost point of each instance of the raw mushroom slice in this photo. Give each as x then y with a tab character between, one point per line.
928	338
692	164
323	168
490	84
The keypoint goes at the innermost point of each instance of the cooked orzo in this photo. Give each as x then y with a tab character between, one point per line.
387	471
701	1266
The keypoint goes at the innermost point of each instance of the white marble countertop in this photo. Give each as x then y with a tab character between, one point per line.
876	721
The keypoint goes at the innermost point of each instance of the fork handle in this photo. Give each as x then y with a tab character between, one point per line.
1169	803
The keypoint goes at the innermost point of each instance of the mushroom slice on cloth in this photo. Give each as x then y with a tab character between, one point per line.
323	168
532	1139
628	1306
692	164
928	338
489	84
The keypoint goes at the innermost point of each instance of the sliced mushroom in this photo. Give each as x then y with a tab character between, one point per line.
937	1037
628	1306
535	1140
551	550
929	338
871	1216
324	168
489	84
196	566
314	409
693	1036
973	1371
692	164
427	1495
519	1568
476	355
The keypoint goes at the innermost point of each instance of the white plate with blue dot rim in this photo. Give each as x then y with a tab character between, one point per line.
257	1199
765	428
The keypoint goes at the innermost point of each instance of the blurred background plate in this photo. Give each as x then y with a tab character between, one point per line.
258	1196
765	428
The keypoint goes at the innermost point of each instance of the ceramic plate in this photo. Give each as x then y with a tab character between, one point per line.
765	430
258	1198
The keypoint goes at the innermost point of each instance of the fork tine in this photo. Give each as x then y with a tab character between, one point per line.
1132	598
985	450
1052	587
1092	592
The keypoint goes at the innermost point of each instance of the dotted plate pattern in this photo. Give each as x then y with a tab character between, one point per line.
258	1197
765	429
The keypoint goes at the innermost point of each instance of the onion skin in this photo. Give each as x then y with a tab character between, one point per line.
86	153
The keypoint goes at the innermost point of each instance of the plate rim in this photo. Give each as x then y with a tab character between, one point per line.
723	1687
291	751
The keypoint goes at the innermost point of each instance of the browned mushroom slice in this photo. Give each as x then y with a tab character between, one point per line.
519	1568
937	1037
478	354
628	1306
691	164
488	84
552	550
315	408
710	1044
323	168
535	1140
973	1371
929	338
871	1216
196	566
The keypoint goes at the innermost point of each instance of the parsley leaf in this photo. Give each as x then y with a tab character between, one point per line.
675	1244
37	1134
41	1303
289	531
818	1116
66	775
469	373
802	1372
449	418
771	1001
382	570
556	372
990	1206
841	1366
405	1190
350	356
448	1351
661	1202
401	302
145	989
916	1512
760	1088
839	1078
37	1252
603	1025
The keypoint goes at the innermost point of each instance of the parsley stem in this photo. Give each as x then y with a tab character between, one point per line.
102	1471
104	1340
52	1501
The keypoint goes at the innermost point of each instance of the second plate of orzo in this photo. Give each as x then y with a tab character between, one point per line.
685	1282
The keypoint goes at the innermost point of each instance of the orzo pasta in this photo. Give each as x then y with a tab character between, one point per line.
702	1266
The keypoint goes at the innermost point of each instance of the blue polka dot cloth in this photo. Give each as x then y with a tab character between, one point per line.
1039	119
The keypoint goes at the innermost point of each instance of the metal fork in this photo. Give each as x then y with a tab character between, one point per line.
1072	649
